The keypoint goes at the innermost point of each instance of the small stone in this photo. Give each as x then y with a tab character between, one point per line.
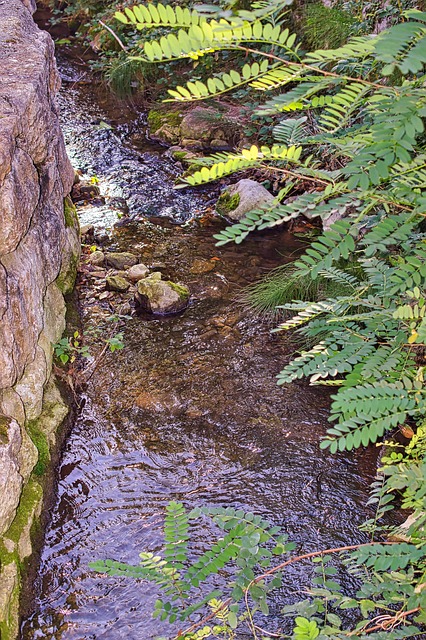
116	283
137	272
125	309
98	274
87	230
105	295
96	258
202	266
121	260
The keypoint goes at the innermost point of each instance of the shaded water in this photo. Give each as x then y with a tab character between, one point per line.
188	411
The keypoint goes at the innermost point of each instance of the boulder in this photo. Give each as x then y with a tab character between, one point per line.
161	297
121	260
240	198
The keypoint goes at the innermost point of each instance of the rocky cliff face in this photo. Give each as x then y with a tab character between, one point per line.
39	249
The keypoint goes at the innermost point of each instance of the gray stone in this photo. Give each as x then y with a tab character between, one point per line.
242	197
161	297
137	272
116	283
121	260
97	258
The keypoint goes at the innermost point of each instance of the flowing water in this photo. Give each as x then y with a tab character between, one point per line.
189	410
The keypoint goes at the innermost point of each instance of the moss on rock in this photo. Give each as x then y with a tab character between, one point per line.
42	445
70	214
156	119
227	202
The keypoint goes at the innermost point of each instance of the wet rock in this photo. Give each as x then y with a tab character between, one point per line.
121	260
117	283
137	272
83	192
96	258
241	197
220	145
199	267
161	296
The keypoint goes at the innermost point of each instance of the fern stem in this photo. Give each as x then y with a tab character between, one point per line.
303	66
298	176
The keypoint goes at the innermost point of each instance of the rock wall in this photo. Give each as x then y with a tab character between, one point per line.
39	251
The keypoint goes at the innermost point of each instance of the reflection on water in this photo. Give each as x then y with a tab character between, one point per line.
188	411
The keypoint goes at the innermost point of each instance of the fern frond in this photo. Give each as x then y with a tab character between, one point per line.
205	36
363	413
151	15
338	242
325	359
388	558
291	131
403	46
341	107
198	90
390	231
176	535
355	48
298	97
247	158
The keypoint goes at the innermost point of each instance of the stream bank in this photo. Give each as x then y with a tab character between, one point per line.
189	410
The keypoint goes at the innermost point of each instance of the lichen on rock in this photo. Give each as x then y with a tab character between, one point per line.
161	297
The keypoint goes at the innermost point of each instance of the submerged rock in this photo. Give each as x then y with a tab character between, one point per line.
242	197
199	267
161	296
121	260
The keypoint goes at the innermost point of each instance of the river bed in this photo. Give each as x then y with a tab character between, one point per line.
189	410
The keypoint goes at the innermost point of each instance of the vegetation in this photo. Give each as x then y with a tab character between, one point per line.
348	147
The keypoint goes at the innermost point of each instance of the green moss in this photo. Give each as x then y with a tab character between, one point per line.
70	214
66	279
156	119
179	155
30	498
227	203
181	290
42	445
4	429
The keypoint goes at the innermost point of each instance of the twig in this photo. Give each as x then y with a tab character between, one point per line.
114	35
386	622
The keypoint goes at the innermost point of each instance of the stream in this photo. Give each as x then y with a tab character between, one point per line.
189	410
